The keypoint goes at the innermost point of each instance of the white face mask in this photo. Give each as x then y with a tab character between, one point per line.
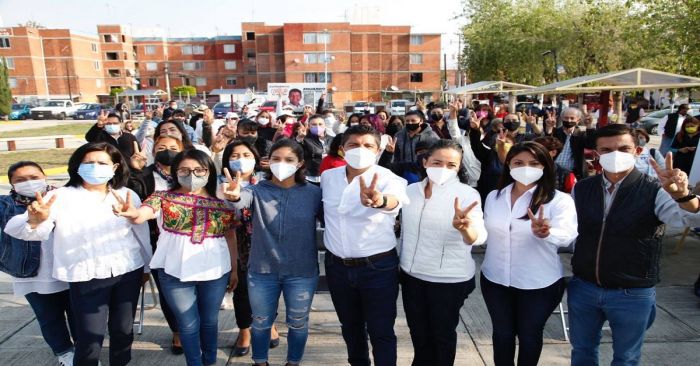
617	161
330	120
283	171
440	175
526	174
30	187
263	121
360	158
244	165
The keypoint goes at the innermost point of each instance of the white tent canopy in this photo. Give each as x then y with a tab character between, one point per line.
489	87
632	79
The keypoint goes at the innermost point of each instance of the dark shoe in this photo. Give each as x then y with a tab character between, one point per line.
274	343
176	350
240	351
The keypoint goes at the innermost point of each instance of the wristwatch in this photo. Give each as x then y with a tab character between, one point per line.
687	198
384	202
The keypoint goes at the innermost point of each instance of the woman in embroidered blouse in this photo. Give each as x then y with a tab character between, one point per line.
196	254
100	255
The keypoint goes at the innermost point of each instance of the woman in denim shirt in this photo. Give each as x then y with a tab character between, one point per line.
30	263
283	255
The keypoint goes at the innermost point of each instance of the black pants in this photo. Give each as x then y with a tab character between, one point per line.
522	313
167	311
241	303
99	301
432	313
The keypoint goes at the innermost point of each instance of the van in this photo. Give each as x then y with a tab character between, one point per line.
399	107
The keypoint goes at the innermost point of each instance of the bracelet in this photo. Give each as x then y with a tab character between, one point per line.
687	198
384	202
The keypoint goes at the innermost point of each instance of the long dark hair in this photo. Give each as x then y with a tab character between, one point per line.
447	145
204	160
546	185
121	175
228	151
299	176
186	142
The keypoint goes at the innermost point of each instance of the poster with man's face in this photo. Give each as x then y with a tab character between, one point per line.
296	95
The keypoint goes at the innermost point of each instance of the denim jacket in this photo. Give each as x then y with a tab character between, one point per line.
18	258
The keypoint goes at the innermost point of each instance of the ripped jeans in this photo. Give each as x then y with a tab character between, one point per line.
264	293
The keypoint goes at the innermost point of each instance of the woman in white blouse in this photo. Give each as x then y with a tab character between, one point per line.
440	224
522	276
100	255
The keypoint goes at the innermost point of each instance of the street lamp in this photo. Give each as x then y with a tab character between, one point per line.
553	52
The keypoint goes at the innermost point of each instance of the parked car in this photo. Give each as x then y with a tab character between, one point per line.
650	122
269	106
221	108
89	111
399	107
20	111
59	109
363	107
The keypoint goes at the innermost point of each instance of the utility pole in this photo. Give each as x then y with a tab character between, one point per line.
70	92
325	56
167	79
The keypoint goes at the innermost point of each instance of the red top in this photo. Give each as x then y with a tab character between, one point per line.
330	162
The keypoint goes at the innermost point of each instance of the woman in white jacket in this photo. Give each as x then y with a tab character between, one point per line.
439	226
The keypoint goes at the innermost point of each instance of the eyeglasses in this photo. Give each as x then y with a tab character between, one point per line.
198	172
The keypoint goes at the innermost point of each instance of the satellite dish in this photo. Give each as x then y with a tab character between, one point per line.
393	88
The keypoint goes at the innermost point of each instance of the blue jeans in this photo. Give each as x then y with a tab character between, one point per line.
365	301
52	311
630	313
264	293
196	308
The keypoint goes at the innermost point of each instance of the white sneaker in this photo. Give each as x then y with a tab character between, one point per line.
66	359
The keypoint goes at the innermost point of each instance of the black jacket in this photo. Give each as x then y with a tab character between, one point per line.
125	142
143	184
313	154
580	140
671	125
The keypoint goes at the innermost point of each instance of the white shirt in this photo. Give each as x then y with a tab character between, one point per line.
43	282
89	240
515	257
353	230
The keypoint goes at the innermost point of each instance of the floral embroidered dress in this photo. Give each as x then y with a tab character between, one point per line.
191	246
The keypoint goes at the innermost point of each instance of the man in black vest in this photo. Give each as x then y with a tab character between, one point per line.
574	141
669	126
621	214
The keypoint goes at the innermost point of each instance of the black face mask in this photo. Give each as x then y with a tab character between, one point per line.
249	139
568	124
165	157
436	117
511	126
392	129
413	126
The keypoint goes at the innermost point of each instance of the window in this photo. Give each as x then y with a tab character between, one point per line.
312	58
250	53
123	38
416	39
97	65
9	62
149	50
151	66
189	66
112	56
416	59
200	81
12	82
115	73
98	83
198	50
249	36
186	81
186	50
94	47
310	38
109	38
416	77
229	48
231	81
317	77
152	81
230	65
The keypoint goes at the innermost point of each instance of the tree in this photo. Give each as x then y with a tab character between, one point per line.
5	91
185	90
31	24
116	90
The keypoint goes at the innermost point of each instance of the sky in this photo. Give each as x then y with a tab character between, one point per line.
177	18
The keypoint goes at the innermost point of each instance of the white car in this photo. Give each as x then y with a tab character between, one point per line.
55	109
399	107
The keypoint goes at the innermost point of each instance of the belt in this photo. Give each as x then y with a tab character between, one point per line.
357	262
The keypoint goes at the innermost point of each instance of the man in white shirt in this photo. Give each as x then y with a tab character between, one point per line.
361	202
669	126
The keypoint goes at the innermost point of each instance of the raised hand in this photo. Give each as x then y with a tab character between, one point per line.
390	144
474	121
39	210
370	196
530	119
673	181
301	131
159	111
455	107
551	120
220	142
540	226
123	208
461	220
501	138
232	188
138	159
102	118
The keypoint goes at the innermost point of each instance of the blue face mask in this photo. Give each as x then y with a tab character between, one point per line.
113	129
93	173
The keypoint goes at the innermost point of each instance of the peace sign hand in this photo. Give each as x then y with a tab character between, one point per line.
138	159
551	120
501	138
461	220
370	196
123	208
102	118
39	210
232	187
455	107
390	144
530	119
540	225
674	181
474	121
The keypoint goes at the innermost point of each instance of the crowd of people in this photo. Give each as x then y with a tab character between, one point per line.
207	207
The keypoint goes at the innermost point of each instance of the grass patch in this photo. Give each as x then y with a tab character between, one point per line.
72	129
50	158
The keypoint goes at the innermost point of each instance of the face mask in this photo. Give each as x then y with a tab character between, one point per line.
330	120
511	126
243	165
112	129
440	175
317	130
283	171
617	161
412	126
95	173
436	117
193	183
392	129
691	130
165	157
249	139
568	124
30	187
642	142
263	121
526	174
360	158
